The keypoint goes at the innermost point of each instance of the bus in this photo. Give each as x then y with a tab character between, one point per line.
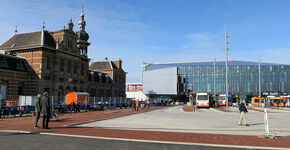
221	100
256	101
202	100
273	101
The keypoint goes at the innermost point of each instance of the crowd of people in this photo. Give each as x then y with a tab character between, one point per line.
15	111
138	104
42	107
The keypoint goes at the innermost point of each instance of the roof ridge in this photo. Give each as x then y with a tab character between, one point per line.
30	32
189	62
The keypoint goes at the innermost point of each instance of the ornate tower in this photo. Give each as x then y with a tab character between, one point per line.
70	25
82	36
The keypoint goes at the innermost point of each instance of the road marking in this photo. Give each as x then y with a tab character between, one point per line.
212	109
15	131
165	142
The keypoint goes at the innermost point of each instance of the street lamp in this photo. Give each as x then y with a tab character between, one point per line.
226	48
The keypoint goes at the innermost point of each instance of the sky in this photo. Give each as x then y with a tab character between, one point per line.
158	31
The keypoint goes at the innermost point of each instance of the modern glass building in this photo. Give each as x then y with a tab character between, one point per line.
209	77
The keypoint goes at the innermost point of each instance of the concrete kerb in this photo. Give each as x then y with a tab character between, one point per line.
270	109
16	131
107	118
166	142
146	141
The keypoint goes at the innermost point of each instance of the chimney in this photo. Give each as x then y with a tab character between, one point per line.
118	63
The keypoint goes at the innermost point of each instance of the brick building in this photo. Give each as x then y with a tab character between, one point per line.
58	63
15	77
114	74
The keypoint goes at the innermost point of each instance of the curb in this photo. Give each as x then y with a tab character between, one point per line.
166	142
16	131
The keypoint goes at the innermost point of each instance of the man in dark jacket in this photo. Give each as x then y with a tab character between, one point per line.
37	109
45	109
243	110
73	107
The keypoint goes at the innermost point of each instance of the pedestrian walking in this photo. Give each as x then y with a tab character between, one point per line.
129	103
243	111
19	109
37	110
45	110
133	105
77	107
148	103
137	104
73	107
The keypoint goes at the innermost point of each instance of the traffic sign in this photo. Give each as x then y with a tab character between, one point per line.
228	95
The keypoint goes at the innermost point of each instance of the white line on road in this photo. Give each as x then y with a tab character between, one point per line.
165	142
15	131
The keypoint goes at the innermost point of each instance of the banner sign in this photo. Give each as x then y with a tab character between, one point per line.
265	93
274	94
284	94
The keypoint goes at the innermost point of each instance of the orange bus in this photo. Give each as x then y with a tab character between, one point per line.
256	101
277	101
11	103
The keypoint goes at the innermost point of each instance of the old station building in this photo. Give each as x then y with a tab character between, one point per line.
57	62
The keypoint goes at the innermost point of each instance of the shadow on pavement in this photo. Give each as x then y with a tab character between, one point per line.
61	120
255	124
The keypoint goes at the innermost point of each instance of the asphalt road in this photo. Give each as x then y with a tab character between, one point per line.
30	141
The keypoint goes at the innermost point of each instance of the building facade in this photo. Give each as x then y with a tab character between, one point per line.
209	77
58	63
114	74
15	77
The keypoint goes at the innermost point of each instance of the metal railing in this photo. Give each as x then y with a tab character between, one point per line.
25	104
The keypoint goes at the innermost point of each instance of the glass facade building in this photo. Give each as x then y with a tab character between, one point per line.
243	77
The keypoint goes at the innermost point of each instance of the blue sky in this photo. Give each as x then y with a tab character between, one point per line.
155	31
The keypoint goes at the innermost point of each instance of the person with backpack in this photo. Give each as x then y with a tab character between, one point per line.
243	111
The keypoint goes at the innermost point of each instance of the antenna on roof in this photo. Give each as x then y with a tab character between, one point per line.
15	31
43	25
83	6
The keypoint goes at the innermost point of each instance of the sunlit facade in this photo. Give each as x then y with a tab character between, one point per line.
243	76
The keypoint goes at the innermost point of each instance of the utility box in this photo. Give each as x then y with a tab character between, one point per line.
77	97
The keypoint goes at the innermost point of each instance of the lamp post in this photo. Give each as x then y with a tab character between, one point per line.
226	48
214	78
259	66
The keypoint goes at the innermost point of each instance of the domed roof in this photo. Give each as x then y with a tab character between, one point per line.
82	35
